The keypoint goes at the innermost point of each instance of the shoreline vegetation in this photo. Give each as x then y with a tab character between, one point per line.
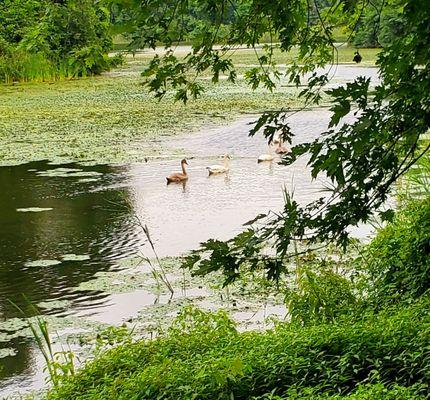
202	356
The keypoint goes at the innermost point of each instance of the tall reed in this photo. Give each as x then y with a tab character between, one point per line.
59	364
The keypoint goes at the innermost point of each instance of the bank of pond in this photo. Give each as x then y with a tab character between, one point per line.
359	336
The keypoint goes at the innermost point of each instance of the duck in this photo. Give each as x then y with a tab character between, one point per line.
178	176
220	169
281	149
266	157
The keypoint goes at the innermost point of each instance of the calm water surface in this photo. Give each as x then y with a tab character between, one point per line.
93	209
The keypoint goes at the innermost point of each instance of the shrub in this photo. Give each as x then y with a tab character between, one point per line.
91	60
204	357
321	294
398	259
376	391
58	39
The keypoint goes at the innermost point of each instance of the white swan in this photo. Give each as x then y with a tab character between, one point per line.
220	169
281	149
266	157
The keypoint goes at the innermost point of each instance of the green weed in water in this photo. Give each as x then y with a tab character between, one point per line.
59	364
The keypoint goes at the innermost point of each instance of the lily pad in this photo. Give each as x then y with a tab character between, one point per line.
87	180
75	257
7	352
34	209
68	173
42	263
54	304
13	325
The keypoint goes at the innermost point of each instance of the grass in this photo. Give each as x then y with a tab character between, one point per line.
111	118
345	55
244	56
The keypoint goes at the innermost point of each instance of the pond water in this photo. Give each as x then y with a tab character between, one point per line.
62	224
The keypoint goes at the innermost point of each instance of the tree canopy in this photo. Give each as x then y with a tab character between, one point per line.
362	159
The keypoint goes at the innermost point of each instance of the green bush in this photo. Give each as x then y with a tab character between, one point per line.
377	391
91	60
321	294
397	262
204	357
43	40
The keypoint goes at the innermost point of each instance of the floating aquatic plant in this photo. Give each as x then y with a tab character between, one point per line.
75	257
115	121
42	263
34	209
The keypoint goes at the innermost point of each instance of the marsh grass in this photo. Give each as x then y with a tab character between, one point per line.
23	67
158	271
58	364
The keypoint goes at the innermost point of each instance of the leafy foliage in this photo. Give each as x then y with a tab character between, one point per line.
204	357
72	38
321	293
17	17
381	24
376	391
397	262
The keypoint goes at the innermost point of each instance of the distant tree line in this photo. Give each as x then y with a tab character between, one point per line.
45	38
380	25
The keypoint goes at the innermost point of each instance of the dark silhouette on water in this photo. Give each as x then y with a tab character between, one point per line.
357	57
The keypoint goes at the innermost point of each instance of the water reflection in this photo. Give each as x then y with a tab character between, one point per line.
79	223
